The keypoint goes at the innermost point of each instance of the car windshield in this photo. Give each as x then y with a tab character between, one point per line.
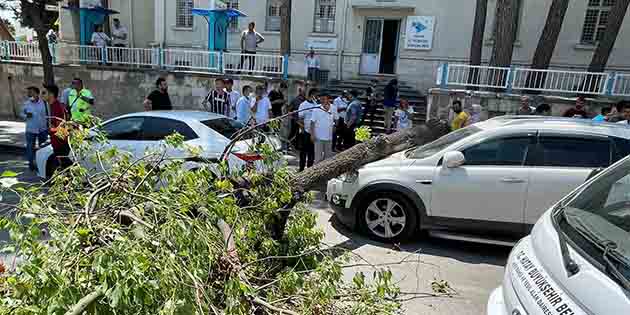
442	143
225	126
600	213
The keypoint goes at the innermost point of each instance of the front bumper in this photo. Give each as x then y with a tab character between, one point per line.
339	202
496	303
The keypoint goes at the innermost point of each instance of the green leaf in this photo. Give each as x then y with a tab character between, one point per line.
9	174
8	249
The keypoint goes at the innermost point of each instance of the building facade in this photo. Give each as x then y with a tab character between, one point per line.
355	38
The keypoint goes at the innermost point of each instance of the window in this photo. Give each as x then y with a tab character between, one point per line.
184	17
517	20
324	16
124	129
225	126
442	143
505	151
574	152
233	25
273	21
156	129
596	20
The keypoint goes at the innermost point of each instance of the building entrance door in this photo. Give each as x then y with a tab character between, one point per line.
380	46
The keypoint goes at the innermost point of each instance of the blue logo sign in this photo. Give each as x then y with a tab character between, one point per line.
419	27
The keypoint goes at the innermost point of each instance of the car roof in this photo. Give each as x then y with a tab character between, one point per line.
183	115
556	124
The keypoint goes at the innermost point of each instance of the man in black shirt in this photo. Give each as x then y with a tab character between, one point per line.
277	100
159	99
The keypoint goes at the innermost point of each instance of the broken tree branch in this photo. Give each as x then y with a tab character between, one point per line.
83	303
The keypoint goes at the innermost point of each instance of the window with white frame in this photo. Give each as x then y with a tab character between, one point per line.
183	13
595	21
273	20
517	21
324	16
232	4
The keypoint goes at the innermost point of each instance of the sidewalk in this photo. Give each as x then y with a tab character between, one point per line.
12	135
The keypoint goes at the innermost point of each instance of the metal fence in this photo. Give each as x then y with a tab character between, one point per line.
169	59
526	79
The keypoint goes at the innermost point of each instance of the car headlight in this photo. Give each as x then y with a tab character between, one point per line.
349	177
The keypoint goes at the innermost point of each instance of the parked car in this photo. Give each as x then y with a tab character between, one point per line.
138	133
492	180
577	258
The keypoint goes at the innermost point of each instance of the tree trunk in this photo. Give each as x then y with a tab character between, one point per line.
504	33
476	43
605	46
547	42
47	62
285	28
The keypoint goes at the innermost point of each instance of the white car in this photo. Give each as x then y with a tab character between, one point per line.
490	181
577	259
138	133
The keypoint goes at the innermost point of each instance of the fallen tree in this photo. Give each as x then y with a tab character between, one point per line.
147	237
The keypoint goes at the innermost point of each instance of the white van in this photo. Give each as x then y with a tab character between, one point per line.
577	258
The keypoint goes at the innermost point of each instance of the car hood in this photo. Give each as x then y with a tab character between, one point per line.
392	160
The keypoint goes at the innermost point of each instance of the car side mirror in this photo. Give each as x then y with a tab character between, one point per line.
454	159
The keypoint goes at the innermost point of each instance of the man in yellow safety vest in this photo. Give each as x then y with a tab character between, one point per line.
80	101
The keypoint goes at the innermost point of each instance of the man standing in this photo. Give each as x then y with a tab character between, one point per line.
312	65
626	115
81	101
354	115
35	113
277	100
261	106
58	114
525	109
461	117
322	122
577	111
293	120
305	143
119	39
243	106
339	106
234	96
159	98
389	102
218	100
249	43
52	38
100	40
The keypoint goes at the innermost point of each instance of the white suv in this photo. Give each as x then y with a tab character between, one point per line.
490	181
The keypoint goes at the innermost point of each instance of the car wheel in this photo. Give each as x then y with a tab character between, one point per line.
389	217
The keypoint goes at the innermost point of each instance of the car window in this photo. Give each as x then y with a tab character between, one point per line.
503	151
574	152
124	129
441	143
225	126
621	149
156	129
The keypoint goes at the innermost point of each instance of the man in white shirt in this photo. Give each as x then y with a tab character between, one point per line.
261	106
234	96
243	106
312	65
100	40
322	122
626	115
249	43
305	143
119	39
339	109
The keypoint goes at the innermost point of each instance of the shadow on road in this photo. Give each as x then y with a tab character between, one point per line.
468	252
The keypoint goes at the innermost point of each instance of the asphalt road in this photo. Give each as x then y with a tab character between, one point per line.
471	270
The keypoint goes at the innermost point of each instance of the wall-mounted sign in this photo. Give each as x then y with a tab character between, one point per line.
320	43
419	32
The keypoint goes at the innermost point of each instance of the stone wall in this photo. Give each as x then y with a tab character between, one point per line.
116	91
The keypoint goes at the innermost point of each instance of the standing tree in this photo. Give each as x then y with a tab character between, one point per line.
605	46
33	14
504	33
476	43
285	28
547	42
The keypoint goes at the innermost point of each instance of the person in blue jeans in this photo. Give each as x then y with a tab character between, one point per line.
389	103
35	114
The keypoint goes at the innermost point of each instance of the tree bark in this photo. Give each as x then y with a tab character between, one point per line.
47	62
285	28
547	42
504	33
476	43
605	46
35	12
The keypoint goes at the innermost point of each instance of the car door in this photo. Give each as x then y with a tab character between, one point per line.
490	186
122	134
561	162
156	129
